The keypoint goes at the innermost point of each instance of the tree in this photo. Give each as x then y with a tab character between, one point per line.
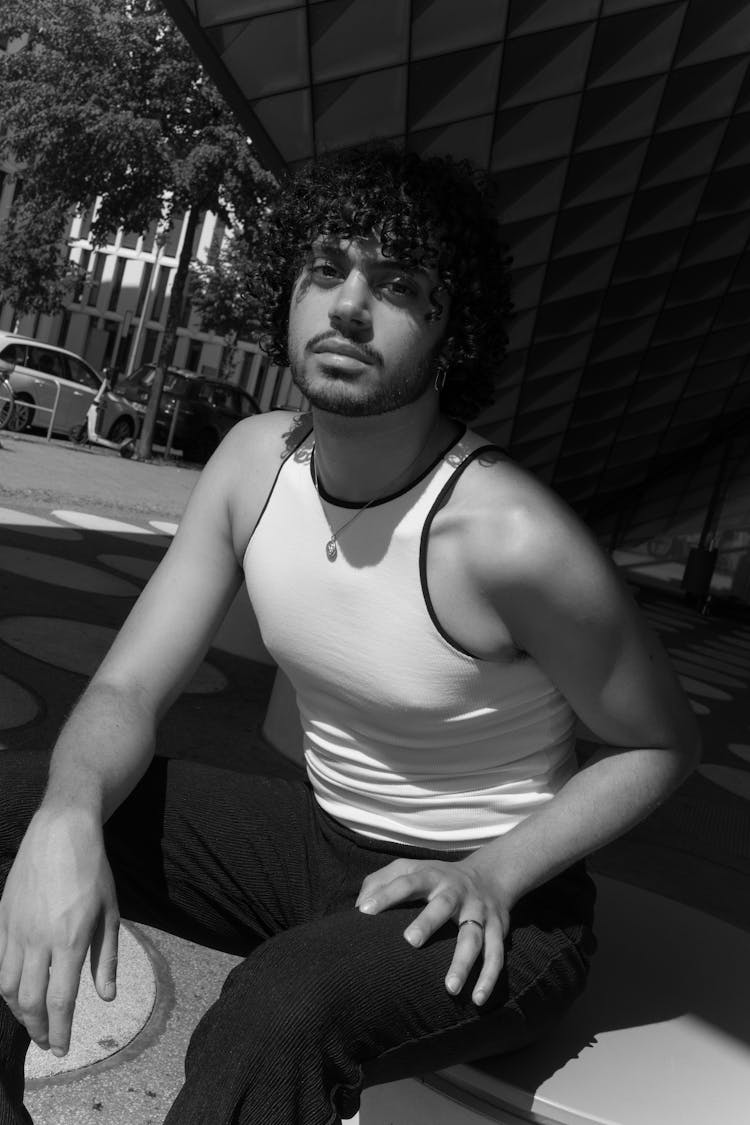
224	292
107	101
36	273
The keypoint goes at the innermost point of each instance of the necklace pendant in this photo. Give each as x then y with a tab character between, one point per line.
331	549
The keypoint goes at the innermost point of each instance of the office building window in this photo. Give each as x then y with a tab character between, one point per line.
186	312
193	358
148	270
161	291
83	264
86	220
148	239
62	335
172	240
111	327
150	344
97	273
114	293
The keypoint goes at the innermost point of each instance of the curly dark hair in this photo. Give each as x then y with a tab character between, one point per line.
435	212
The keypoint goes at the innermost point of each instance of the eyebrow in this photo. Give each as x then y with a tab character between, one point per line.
326	246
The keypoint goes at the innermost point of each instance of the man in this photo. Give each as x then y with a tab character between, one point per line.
420	899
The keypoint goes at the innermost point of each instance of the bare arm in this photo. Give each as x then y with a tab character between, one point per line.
60	899
108	741
570	611
550	585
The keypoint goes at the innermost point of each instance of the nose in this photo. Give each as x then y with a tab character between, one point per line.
350	309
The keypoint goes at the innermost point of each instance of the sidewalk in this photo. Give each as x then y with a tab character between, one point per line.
79	534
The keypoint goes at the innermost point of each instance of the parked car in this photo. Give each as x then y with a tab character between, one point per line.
44	373
206	409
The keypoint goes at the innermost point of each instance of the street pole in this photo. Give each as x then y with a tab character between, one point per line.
147	306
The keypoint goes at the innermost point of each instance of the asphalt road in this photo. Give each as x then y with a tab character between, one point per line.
36	475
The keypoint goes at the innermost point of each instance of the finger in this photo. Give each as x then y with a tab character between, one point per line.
64	978
377	879
10	977
401	889
438	911
469	944
32	995
493	959
104	955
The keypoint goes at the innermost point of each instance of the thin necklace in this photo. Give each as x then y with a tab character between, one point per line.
331	546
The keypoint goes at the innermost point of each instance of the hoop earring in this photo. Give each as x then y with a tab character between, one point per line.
440	379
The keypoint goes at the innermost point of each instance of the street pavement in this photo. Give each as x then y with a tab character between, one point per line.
80	532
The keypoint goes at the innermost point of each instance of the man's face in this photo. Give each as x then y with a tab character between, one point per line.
359	340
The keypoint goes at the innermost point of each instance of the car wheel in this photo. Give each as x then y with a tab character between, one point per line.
23	415
121	429
202	446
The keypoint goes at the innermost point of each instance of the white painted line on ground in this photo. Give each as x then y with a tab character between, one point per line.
164	526
36	525
91	522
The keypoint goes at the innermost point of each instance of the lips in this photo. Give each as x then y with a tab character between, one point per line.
343	348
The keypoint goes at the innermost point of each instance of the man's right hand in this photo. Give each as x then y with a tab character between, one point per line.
59	901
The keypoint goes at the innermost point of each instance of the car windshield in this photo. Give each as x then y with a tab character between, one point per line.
174	383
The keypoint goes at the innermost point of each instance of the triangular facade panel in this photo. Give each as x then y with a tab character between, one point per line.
533	134
713	31
636	43
623	112
348	37
454	87
528	16
270	55
547	65
701	93
435	29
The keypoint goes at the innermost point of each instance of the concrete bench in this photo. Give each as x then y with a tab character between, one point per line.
660	1037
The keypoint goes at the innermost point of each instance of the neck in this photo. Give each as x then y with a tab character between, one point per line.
360	459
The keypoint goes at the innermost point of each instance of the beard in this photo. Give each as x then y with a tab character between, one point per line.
335	394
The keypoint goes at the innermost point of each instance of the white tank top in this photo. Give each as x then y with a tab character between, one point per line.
407	738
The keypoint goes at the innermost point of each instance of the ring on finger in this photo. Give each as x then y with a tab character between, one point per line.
472	922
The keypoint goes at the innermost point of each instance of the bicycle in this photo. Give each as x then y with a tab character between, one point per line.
7	396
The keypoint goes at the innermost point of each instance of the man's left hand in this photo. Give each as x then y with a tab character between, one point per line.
454	890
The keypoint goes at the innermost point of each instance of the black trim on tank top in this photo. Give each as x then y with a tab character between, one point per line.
436	507
393	495
267	500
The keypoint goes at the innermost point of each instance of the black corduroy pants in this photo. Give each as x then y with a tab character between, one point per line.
326	999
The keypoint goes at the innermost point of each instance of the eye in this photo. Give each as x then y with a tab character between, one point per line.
324	270
400	287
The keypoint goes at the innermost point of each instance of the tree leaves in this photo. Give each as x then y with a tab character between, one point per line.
107	100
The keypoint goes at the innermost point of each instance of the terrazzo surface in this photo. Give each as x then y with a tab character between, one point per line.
67	581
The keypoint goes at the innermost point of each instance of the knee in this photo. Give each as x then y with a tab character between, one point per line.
287	991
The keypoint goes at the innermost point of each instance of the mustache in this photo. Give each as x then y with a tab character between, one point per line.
366	349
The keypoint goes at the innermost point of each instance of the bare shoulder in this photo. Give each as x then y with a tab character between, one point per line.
526	539
242	471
